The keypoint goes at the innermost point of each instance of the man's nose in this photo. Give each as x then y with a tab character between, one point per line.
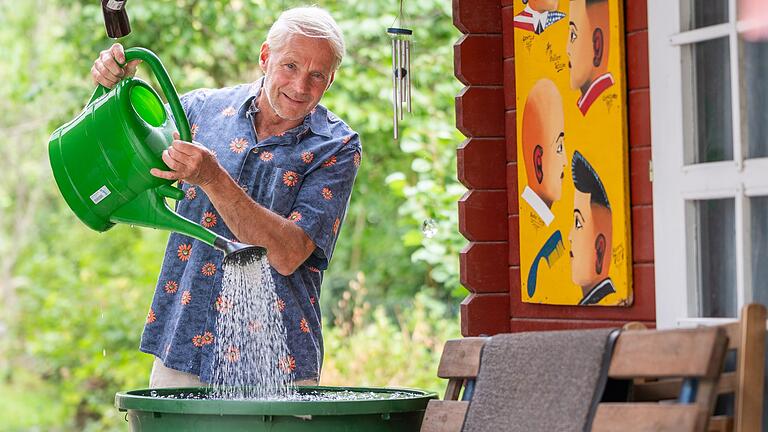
301	85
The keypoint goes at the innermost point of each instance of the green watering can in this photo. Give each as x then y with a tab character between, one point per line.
101	160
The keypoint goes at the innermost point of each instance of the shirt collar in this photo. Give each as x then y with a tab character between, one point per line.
317	119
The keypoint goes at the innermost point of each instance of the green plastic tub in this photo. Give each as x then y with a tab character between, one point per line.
393	409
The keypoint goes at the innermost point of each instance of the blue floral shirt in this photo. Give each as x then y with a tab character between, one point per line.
306	175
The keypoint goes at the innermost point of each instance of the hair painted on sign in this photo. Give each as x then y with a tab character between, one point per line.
586	180
309	21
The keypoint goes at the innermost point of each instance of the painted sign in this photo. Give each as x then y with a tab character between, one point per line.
572	152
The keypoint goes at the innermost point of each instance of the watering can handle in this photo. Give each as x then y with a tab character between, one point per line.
182	124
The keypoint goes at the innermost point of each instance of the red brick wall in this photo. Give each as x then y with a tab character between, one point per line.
484	61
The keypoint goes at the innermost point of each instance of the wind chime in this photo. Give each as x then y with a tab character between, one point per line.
401	69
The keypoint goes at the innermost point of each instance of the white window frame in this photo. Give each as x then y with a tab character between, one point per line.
676	184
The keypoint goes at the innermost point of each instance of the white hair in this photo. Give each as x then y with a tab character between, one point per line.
309	21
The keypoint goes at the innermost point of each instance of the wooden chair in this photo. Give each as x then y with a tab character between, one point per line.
747	338
694	354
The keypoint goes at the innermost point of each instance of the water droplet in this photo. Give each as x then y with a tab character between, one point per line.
429	228
153	393
104	352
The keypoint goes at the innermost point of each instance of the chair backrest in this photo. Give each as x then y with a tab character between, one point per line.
694	355
746	337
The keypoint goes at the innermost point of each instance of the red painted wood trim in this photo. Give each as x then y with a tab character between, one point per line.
513	200
483	267
477	16
639	116
485	314
642	234
637	60
507	32
514	242
480	111
636	15
481	163
527	324
640	187
510	135
643	308
510	92
477	59
483	215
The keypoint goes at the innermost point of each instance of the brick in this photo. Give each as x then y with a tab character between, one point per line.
641	191
637	60
483	215
485	314
510	92
483	267
480	111
515	284
477	59
639	118
636	15
477	16
481	163
642	234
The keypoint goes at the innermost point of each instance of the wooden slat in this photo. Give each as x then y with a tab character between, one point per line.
644	417
727	383
751	369
720	424
668	353
461	358
656	390
444	416
733	331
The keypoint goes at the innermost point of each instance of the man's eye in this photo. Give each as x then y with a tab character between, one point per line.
290	66
560	148
577	223
573	36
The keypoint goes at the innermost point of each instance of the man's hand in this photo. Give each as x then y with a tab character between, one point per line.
190	162
106	70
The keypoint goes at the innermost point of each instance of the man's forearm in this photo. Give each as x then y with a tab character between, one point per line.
287	245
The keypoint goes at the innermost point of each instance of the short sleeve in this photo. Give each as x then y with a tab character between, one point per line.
322	201
191	103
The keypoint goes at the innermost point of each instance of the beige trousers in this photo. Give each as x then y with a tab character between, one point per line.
163	377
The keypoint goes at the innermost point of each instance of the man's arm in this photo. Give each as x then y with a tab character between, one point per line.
288	246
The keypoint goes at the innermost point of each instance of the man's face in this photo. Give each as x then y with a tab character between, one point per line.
589	222
543	5
582	241
579	47
297	76
554	159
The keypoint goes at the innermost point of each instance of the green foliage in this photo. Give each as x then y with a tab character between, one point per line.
73	302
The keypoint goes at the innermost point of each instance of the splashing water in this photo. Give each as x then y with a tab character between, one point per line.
250	346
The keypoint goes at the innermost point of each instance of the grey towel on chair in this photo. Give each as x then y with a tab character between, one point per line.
540	381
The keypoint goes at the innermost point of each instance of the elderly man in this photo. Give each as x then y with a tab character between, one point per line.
270	166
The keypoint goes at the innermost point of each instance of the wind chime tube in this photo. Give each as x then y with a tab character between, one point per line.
408	74
399	74
394	84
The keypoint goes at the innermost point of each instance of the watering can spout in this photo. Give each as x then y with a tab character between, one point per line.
238	253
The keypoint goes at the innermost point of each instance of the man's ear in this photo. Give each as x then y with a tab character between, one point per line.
538	164
598	45
599	253
264	57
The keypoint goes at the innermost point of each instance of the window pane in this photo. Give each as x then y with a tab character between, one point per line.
716	257
709	96
759	218
702	13
755	97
